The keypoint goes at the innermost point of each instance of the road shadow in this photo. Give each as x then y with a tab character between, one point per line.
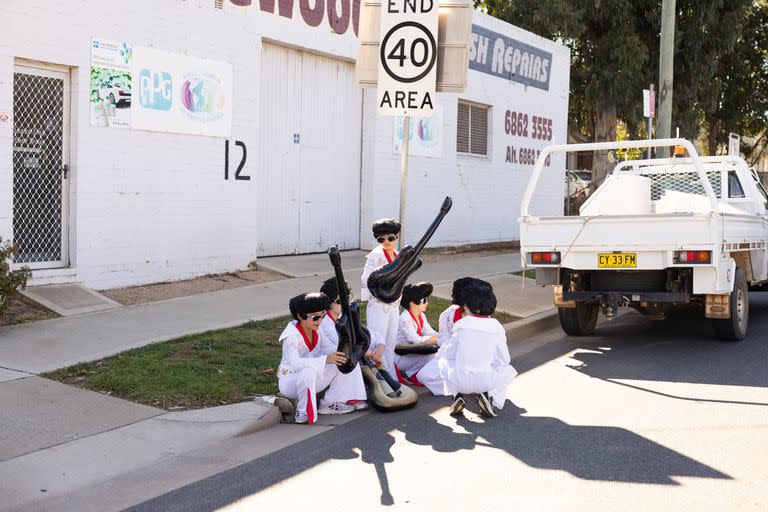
681	348
599	453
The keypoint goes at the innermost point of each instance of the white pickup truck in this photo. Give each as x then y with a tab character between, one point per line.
657	233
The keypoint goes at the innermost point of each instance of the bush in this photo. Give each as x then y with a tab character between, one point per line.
11	281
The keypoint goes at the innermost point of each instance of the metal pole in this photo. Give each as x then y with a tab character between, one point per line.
404	176
666	73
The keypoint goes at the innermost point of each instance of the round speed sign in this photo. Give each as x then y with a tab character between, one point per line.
408	52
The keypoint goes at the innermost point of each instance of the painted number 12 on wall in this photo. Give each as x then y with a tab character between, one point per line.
241	165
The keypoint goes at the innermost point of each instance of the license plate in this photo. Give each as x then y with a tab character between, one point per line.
617	260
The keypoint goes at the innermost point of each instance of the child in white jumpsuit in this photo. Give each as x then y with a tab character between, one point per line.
414	328
309	364
475	359
382	317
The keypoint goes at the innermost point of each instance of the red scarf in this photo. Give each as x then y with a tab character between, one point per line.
329	315
386	255
457	315
419	322
311	346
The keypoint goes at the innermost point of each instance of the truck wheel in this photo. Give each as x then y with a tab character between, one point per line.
735	328
579	321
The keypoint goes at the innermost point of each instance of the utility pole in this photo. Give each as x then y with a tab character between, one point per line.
666	72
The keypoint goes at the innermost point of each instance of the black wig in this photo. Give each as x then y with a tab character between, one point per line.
302	305
414	293
386	227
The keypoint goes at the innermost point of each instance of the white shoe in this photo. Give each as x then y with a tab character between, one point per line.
335	408
359	405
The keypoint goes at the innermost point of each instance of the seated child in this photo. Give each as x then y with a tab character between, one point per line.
309	360
475	359
328	326
382	317
454	312
414	328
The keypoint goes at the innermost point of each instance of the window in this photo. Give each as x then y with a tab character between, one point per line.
472	129
761	190
735	191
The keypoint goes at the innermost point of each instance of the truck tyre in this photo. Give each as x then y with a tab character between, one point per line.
579	321
735	328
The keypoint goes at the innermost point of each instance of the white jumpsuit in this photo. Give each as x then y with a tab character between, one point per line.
474	360
448	318
381	317
303	372
412	330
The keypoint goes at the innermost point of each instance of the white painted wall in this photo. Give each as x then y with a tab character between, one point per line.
149	206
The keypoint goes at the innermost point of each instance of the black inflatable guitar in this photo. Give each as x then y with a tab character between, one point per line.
354	338
387	283
384	392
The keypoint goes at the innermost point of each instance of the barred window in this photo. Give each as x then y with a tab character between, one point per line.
472	129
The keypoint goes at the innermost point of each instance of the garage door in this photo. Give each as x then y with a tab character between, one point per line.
309	163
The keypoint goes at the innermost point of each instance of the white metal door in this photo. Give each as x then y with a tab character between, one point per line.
40	166
330	155
309	172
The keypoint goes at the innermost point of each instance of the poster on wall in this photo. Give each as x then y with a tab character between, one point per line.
110	83
181	94
425	138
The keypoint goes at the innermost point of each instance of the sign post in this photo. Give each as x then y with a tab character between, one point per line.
407	75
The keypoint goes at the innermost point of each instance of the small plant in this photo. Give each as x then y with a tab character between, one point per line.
11	281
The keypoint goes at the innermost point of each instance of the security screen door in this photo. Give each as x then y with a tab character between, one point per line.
40	166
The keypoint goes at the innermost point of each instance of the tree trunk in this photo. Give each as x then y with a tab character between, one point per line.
605	131
713	133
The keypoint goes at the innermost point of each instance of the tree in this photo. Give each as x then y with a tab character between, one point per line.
609	57
738	99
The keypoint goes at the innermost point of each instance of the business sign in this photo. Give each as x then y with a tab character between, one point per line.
407	57
110	83
425	137
181	94
504	57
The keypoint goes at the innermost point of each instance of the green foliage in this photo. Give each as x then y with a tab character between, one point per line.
719	50
626	154
738	96
11	281
101	76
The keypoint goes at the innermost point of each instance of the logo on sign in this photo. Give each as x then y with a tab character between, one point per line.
202	97
155	89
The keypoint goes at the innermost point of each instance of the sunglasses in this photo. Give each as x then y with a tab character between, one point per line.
390	238
425	300
315	318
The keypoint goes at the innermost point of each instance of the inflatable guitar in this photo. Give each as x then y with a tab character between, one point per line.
384	392
387	283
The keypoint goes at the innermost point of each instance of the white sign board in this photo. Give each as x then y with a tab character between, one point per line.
425	138
181	94
734	144
407	57
110	83
649	103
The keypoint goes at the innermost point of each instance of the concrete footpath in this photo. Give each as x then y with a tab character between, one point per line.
59	442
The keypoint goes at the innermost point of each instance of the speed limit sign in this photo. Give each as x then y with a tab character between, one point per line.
407	57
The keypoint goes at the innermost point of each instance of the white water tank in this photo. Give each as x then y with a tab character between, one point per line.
620	195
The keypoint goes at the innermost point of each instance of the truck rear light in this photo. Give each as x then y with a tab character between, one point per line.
545	258
693	257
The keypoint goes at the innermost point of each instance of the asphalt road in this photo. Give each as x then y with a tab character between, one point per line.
645	415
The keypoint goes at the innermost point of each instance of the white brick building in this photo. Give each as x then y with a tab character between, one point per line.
111	207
